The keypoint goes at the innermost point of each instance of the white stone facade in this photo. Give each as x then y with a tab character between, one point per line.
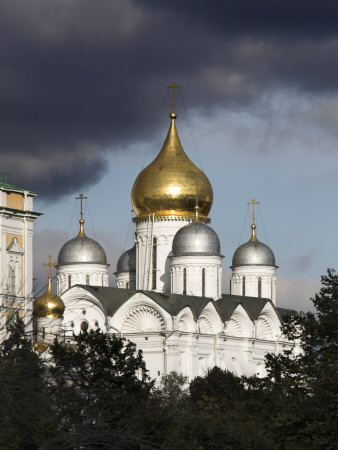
88	274
254	281
197	275
190	341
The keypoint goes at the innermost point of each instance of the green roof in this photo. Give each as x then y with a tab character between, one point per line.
113	298
14	188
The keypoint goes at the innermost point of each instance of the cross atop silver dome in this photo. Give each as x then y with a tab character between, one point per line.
81	249
253	252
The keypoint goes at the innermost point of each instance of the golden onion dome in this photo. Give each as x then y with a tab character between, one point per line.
169	185
49	304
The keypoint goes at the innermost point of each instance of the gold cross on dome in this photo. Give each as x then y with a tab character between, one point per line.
253	203
81	197
173	87
49	265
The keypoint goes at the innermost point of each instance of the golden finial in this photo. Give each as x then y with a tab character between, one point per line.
49	265
173	86
81	232
197	208
253	226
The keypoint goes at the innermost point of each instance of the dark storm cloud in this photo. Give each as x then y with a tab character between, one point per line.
81	78
287	18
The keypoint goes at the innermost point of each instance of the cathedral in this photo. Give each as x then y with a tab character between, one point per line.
168	295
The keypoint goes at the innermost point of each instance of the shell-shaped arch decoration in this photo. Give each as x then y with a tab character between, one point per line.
234	326
265	328
209	321
205	325
239	324
143	318
186	321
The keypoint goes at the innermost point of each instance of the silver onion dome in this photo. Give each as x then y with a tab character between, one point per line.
127	261
253	253
81	250
196	238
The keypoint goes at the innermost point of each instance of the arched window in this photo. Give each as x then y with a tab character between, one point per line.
184	281
69	281
203	282
154	272
243	287
84	326
259	287
87	280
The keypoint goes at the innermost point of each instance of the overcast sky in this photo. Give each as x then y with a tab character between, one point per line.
83	106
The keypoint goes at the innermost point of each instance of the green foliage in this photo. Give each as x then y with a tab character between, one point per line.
25	414
17	346
218	391
102	361
173	390
212	416
299	397
100	382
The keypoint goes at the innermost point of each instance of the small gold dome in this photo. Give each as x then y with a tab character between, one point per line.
49	304
170	184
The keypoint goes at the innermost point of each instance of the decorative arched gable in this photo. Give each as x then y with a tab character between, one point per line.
185	321
142	318
83	312
209	321
239	324
140	313
268	324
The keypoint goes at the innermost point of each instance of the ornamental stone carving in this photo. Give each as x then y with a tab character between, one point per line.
265	328
143	318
